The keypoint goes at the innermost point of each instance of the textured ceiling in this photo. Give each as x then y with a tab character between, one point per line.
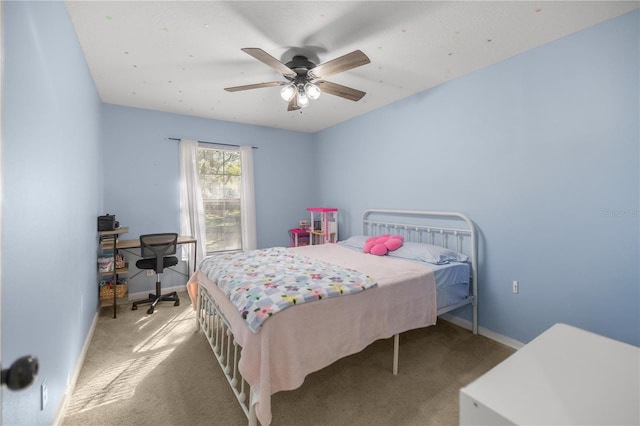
179	56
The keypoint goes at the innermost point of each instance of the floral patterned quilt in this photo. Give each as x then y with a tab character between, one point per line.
263	282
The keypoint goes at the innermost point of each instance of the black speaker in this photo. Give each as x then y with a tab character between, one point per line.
107	223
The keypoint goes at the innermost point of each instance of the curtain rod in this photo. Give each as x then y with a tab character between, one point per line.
212	143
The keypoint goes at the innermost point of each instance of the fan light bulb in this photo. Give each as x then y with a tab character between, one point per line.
312	91
287	92
302	99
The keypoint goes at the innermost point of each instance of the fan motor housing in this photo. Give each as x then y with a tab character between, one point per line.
300	64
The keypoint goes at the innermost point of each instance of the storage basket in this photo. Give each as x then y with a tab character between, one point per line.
105	263
106	289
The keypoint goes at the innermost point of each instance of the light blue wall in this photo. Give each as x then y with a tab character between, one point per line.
142	174
542	152
51	195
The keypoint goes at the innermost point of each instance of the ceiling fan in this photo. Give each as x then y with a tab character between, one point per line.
305	79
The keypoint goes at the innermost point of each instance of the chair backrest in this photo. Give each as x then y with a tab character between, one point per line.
158	245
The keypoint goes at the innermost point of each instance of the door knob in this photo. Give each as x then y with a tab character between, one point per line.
21	373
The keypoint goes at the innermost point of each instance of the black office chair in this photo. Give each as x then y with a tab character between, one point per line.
156	251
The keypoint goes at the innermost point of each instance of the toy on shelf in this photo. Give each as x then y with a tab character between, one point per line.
324	225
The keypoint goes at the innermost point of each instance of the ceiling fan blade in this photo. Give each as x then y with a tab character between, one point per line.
255	86
293	104
269	60
340	90
340	64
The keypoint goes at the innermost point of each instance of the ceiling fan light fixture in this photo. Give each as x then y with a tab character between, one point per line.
301	72
287	92
312	91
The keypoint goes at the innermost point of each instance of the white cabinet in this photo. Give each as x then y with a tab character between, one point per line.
565	376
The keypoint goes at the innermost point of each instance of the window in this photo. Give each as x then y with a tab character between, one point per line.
220	172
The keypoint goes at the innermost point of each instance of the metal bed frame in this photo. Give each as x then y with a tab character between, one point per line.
227	351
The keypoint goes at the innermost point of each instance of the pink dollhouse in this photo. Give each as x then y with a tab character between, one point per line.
324	225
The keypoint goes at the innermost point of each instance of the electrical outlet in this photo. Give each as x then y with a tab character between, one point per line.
516	287
44	394
149	272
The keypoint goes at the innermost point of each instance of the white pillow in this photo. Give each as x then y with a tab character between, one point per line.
357	241
428	253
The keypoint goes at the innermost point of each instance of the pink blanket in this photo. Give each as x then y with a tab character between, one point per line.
281	355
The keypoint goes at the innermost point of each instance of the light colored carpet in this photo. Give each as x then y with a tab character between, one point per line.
157	370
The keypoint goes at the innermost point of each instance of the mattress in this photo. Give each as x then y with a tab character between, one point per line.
452	281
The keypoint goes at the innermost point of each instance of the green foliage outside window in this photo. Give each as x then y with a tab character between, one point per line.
219	172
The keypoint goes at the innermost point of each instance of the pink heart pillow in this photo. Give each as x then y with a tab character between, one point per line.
394	242
370	242
382	244
379	250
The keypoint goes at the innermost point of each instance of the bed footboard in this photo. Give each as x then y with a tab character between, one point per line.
226	350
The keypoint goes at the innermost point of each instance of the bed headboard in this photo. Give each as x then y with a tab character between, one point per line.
451	230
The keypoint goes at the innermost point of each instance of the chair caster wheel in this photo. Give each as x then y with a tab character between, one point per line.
134	308
150	310
177	303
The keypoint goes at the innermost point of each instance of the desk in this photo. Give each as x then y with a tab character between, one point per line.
565	376
182	239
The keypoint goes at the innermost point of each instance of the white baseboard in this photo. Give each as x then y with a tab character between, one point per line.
64	402
508	341
144	294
